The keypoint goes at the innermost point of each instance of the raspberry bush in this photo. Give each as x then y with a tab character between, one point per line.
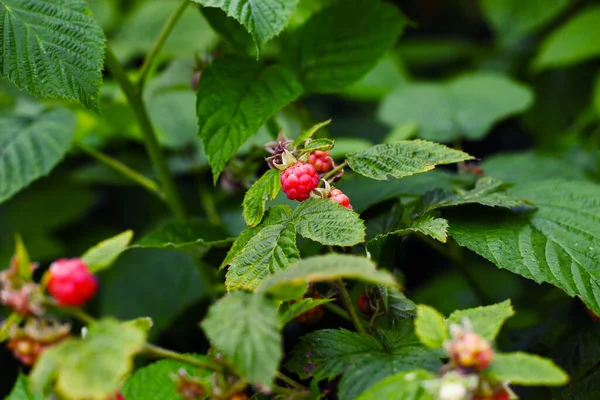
299	199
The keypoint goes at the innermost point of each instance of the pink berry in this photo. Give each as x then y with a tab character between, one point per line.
339	197
298	180
71	283
321	160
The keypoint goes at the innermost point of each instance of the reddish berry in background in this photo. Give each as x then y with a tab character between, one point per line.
470	350
321	160
339	197
117	396
363	304
238	396
298	180
71	283
501	395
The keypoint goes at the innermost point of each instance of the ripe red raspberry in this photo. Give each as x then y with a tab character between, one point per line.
311	316
71	283
340	198
363	304
321	160
117	396
298	180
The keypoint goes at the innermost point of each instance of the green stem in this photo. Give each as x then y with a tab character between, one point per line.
160	42
208	204
334	171
352	312
284	378
337	310
159	352
139	109
123	169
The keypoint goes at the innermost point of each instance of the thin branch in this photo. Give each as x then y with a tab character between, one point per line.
123	169
160	42
154	151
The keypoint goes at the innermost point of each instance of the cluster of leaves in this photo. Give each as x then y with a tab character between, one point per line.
72	89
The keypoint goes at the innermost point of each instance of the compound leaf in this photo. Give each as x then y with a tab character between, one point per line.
403	158
255	200
92	367
245	328
342	42
558	243
52	48
263	19
526	370
328	223
236	96
31	147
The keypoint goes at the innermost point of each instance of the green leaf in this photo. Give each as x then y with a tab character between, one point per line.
236	96
463	106
105	253
166	284
558	243
52	48
430	327
319	144
245	328
8	325
255	200
21	390
530	167
325	268
92	367
328	223
362	359
402	386
31	147
271	250
437	228
526	370
307	134
275	215
342	42
513	19
193	237
488	191
292	310
155	381
22	259
396	304
228	28
565	46
486	321
403	158
263	19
